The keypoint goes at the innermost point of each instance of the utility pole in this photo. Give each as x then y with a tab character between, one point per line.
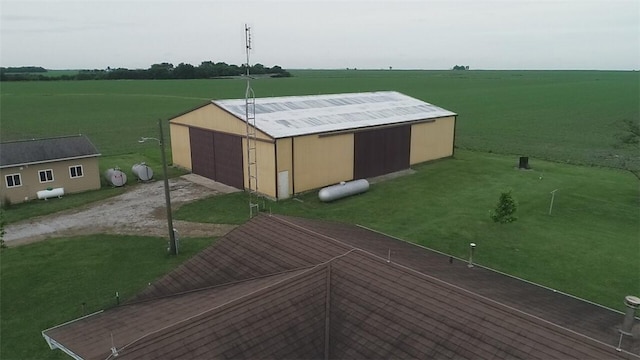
173	248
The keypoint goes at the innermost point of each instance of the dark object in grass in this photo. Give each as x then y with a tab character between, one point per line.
524	163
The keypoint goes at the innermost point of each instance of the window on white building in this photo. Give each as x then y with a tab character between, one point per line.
46	175
13	180
75	171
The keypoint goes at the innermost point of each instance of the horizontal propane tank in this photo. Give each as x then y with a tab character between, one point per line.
50	193
344	189
115	177
142	171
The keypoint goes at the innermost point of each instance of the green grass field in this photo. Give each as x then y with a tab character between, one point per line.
567	116
47	283
588	247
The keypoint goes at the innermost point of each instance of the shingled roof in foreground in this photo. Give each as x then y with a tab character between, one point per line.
281	287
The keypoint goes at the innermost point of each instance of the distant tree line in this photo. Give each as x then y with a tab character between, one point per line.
206	70
24	69
461	67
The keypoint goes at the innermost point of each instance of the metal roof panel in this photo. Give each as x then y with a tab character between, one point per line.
289	116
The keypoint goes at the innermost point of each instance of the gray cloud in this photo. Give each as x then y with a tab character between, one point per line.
541	34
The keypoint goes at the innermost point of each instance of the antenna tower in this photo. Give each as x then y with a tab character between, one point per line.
250	118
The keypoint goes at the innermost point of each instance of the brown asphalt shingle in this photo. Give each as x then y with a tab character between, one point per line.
133	321
285	321
244	254
275	286
373	294
577	315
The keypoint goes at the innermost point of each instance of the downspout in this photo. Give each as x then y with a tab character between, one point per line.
275	153
453	142
293	169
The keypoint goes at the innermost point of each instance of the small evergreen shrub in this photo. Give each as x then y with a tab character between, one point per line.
505	209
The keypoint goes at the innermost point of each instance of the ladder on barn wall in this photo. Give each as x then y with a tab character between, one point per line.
250	117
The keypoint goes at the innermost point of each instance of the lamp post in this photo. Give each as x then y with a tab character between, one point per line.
173	248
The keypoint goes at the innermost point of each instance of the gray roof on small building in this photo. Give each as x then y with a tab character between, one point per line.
288	116
37	151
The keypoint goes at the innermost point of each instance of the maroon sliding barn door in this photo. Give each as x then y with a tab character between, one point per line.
381	151
217	156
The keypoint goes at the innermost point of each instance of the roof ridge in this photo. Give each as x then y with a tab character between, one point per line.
148	293
489	269
236	300
305	229
543	322
230	283
355	93
185	264
414	272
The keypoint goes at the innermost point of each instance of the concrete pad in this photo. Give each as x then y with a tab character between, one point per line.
208	183
390	176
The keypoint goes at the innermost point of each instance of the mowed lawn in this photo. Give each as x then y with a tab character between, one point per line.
587	247
51	282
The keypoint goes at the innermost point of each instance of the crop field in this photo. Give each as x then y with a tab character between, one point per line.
565	116
587	247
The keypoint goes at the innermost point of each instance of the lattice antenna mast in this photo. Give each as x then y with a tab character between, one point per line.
250	117
247	40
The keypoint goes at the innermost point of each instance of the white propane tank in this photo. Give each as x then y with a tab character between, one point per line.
116	177
50	193
344	189
142	171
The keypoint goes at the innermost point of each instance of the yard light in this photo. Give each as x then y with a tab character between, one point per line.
173	248
472	246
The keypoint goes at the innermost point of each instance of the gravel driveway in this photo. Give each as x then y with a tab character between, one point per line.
139	211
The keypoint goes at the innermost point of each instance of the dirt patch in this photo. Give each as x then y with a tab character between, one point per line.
139	211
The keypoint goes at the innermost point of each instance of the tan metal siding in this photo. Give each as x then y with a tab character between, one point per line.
285	160
212	117
61	178
321	161
432	140
180	146
265	157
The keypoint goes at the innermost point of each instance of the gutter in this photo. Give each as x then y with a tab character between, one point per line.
53	344
56	345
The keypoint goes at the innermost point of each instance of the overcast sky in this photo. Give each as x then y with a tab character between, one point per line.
507	34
